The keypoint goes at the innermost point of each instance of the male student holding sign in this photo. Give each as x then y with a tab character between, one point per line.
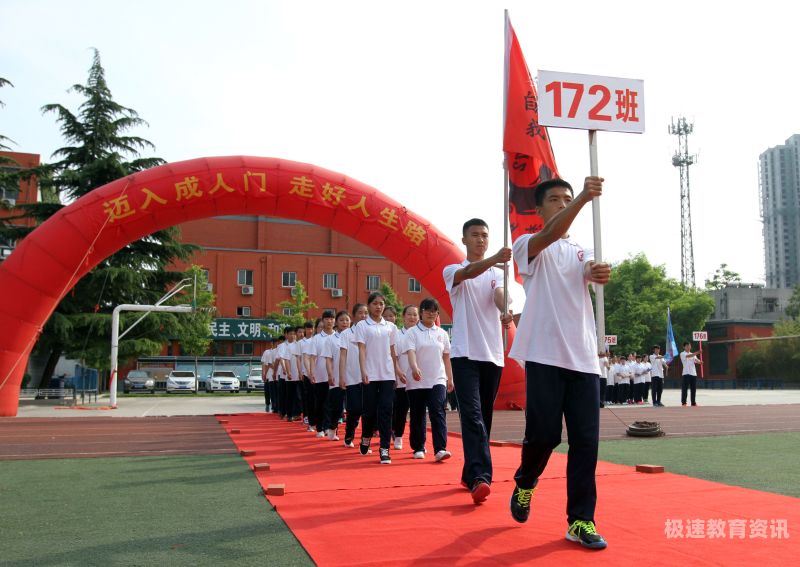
556	338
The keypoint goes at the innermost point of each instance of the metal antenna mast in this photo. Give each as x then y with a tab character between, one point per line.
683	160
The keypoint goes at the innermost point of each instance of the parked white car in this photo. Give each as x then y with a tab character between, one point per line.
182	381
254	380
222	381
139	381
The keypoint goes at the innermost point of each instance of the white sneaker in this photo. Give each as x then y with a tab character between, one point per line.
398	443
349	444
442	455
419	455
332	435
305	420
320	434
309	428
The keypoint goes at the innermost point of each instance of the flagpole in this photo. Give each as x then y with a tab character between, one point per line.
505	176
599	295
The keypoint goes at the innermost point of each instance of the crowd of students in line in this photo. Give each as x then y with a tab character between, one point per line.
361	361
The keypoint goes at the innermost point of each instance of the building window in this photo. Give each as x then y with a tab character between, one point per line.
244	277
9	195
330	281
373	283
242	348
288	279
287	311
6	248
414	285
243	311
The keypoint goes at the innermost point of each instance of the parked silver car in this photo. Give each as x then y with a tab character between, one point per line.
181	381
222	381
139	381
254	381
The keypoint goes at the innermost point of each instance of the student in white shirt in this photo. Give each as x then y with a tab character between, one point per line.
287	356
319	371
689	374
428	350
304	340
350	375
337	388
556	338
400	410
647	378
377	358
659	368
604	367
266	375
476	293
638	379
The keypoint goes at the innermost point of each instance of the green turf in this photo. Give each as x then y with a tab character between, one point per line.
766	461
190	510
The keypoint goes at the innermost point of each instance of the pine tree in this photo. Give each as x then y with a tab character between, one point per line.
100	151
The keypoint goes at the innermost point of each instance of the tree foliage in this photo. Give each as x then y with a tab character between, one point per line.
299	306
100	150
393	300
636	301
776	359
722	278
793	308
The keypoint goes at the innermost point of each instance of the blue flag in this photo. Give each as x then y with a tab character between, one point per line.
672	349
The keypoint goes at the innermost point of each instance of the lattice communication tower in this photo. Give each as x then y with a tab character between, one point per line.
683	160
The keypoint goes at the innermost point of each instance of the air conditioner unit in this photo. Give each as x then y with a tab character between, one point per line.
336	292
294	292
247	290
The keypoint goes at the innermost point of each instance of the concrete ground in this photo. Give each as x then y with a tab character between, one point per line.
145	405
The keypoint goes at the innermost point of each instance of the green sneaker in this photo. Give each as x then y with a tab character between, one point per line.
584	532
521	503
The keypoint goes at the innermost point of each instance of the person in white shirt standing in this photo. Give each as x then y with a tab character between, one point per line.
332	353
319	372
689	381
658	369
605	365
476	293
377	357
400	410
266	377
428	349
557	339
350	375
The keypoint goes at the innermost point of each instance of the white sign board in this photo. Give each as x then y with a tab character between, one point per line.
611	340
590	102
699	336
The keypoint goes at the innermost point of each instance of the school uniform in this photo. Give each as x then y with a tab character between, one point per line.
689	375
400	408
291	354
307	386
658	367
354	388
283	353
320	385
638	381
647	379
378	338
429	345
556	338
266	374
335	405
477	359
603	380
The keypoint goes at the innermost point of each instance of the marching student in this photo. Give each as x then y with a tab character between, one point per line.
647	367
659	370
476	293
377	358
557	339
604	367
350	375
337	386
428	350
638	378
319	371
400	411
611	388
273	375
304	339
266	375
689	375
286	361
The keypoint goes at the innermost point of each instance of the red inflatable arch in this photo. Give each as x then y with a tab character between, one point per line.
48	262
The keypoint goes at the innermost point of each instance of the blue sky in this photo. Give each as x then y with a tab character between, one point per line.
407	97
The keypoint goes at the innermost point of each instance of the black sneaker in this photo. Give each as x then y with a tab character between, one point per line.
385	458
584	532
521	503
363	447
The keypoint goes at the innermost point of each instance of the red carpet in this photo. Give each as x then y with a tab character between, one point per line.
346	509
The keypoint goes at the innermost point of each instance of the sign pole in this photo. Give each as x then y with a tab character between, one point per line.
599	296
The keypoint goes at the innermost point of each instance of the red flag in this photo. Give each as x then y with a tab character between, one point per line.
529	157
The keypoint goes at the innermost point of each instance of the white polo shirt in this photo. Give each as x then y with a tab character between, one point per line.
688	360
266	361
306	349
377	338
656	366
283	353
347	341
315	350
291	355
428	344
402	357
477	333
331	350
557	324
